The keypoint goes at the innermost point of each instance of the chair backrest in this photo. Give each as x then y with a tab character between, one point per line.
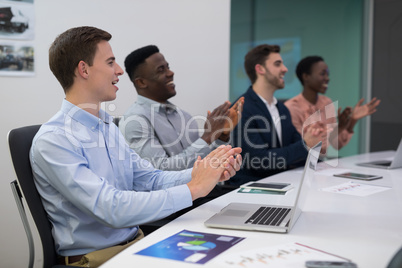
396	261
20	141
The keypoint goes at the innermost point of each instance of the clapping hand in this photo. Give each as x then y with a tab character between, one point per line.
234	116
221	164
360	111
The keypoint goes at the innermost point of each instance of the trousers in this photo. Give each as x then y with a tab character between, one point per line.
98	257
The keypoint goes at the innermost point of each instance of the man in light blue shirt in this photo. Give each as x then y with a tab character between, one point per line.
95	189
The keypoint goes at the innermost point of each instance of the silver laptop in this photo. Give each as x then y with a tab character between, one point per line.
265	217
387	164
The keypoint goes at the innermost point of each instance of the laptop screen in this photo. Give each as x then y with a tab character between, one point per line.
308	173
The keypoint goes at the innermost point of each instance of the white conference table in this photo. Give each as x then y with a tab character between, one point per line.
365	229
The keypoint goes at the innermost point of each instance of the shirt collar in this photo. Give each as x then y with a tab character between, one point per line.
274	101
83	117
168	107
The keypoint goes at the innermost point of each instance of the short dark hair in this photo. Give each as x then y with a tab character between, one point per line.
304	66
258	55
71	47
136	58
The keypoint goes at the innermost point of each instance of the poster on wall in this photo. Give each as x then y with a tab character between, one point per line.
16	59
17	20
17	27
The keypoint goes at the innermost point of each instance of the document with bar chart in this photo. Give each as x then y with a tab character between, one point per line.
191	247
288	255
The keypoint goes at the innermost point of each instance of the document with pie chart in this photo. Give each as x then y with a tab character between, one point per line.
191	247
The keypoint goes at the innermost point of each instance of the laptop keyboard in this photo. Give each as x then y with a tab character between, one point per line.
268	216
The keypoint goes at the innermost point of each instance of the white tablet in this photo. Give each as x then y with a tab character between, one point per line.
358	176
271	186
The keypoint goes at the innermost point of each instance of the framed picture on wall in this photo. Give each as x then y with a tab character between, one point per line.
17	20
16	59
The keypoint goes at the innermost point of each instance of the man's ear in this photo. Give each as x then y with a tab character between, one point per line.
140	83
83	69
259	69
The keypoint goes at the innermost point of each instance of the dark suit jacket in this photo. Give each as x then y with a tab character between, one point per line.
261	151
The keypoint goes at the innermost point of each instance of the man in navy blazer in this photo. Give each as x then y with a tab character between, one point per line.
270	143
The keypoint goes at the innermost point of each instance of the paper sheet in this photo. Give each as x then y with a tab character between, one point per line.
285	255
354	188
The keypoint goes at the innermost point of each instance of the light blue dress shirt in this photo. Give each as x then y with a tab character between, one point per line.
95	189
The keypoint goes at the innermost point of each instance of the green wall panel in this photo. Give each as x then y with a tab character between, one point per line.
332	29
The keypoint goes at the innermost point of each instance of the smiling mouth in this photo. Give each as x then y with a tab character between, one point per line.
171	83
114	84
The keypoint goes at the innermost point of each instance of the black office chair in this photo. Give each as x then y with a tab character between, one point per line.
20	141
396	261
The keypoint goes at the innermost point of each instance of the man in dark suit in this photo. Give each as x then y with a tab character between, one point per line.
270	142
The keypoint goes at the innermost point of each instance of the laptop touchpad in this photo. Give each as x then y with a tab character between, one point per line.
235	213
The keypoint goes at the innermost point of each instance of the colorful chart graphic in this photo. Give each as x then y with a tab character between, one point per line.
197	245
192	247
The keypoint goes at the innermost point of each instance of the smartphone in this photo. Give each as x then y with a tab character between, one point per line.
330	264
358	176
272	186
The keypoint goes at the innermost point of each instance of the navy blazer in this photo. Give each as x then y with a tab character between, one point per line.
262	153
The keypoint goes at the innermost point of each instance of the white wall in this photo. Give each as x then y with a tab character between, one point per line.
193	36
